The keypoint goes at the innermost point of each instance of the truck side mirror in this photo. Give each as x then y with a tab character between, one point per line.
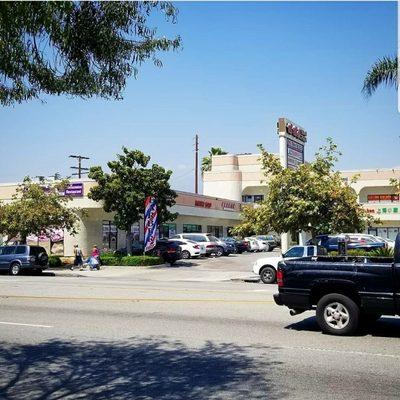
397	249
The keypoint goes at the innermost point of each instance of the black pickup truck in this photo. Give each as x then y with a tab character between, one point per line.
345	291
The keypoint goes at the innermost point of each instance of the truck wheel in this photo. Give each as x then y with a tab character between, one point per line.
268	275
337	314
15	269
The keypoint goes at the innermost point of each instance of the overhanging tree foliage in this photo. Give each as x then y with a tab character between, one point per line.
36	208
383	72
83	49
123	191
312	198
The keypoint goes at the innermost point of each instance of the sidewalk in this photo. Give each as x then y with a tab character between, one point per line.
158	273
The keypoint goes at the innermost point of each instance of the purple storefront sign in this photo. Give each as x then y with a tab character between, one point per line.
74	189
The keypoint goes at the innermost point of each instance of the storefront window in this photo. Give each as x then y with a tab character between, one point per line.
167	230
252	198
191	228
110	236
217	231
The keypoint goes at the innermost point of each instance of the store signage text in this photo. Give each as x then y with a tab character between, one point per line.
201	203
296	132
384	210
228	206
295	154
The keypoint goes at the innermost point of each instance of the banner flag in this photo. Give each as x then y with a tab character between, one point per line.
150	223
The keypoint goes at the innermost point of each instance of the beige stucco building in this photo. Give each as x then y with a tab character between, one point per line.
239	177
197	213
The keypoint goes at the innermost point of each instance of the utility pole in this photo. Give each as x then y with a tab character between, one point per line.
196	165
80	169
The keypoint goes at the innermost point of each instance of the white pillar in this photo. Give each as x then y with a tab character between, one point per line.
285	237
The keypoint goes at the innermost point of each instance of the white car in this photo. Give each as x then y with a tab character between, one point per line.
206	240
266	267
263	245
253	244
190	248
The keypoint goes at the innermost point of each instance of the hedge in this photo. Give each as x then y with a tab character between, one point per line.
384	252
137	261
55	261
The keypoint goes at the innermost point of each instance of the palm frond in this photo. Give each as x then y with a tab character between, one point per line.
384	71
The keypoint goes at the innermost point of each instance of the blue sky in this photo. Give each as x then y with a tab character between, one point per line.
242	66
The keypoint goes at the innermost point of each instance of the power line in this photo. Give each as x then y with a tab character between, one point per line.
81	170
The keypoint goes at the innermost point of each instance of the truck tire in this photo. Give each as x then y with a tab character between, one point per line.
268	275
337	314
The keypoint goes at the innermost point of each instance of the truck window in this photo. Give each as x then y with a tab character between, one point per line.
310	251
296	251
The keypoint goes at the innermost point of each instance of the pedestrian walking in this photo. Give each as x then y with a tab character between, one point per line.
78	261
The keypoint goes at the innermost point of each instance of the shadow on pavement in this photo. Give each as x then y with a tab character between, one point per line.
139	369
383	327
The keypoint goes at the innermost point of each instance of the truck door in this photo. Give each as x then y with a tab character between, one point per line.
396	273
375	285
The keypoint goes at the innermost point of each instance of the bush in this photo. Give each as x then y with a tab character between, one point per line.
131	260
384	252
55	261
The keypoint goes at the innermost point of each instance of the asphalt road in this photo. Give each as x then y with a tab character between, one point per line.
138	336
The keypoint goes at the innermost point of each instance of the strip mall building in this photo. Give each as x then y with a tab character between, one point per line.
237	177
197	213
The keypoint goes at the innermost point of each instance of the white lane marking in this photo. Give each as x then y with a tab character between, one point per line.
358	353
19	324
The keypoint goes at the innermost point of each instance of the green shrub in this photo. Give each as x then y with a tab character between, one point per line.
55	261
131	260
385	252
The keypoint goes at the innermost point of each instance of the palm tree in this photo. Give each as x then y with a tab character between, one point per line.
384	71
206	162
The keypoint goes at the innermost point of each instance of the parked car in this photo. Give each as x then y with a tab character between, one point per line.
266	267
189	248
137	250
240	246
205	239
343	290
23	257
253	244
330	242
266	242
169	250
224	248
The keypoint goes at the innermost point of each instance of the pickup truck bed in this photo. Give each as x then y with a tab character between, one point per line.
344	291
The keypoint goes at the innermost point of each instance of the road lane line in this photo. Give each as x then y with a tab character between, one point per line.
20	324
136	299
357	353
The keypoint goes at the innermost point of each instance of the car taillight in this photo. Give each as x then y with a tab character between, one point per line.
279	278
210	246
196	246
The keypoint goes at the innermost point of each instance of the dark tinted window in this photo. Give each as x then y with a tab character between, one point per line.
310	251
20	250
332	241
36	250
7	250
297	251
